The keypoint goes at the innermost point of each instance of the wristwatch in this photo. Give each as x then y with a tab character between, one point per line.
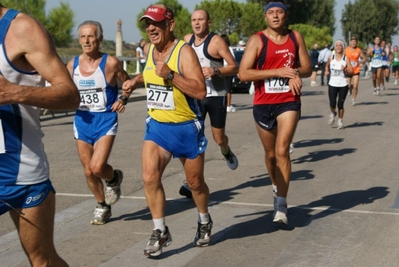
216	70
124	99
171	75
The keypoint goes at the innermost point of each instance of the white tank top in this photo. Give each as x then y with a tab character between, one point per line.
22	157
337	75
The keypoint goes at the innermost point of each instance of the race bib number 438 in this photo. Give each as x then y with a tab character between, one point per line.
92	99
276	85
160	97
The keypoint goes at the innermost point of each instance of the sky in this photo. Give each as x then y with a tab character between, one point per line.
109	12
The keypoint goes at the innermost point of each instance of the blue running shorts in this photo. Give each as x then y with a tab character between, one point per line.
182	140
91	126
24	196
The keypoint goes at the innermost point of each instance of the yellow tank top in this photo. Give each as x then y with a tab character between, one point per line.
165	102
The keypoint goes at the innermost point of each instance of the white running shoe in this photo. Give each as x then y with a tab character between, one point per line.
157	241
378	91
280	215
332	118
340	124
231	109
396	82
101	215
353	102
113	192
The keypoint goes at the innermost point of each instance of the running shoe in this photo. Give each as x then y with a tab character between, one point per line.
332	118
185	190
280	214
231	109
203	235
231	160
375	91
353	102
340	124
157	241
396	82
378	91
101	215
113	192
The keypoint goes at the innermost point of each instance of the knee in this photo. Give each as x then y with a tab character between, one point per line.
97	169
196	185
270	157
151	181
219	139
282	153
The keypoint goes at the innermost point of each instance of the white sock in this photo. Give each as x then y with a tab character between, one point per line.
274	188
203	218
159	224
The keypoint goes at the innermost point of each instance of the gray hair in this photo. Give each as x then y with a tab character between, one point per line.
99	29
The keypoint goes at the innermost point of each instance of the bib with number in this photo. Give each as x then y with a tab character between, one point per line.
92	99
160	97
276	85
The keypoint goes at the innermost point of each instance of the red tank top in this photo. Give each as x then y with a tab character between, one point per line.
274	56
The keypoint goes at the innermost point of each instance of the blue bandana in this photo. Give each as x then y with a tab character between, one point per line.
275	4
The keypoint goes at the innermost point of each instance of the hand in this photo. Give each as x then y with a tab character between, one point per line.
162	69
129	85
208	72
287	73
295	85
118	107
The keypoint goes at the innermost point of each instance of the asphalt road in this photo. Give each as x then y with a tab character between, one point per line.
343	198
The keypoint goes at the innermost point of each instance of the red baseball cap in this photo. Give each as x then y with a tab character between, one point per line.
157	13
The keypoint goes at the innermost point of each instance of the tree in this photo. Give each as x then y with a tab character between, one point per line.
225	15
369	18
318	13
312	34
251	21
59	22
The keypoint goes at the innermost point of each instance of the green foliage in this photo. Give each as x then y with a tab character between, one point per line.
313	35
252	19
182	18
366	19
225	15
318	13
59	22
34	8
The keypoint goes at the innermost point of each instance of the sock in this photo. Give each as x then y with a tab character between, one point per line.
227	152
274	188
114	180
159	224
203	218
281	201
102	204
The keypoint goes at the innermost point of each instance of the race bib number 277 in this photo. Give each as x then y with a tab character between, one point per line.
160	97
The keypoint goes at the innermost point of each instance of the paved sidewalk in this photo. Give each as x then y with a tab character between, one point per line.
343	198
